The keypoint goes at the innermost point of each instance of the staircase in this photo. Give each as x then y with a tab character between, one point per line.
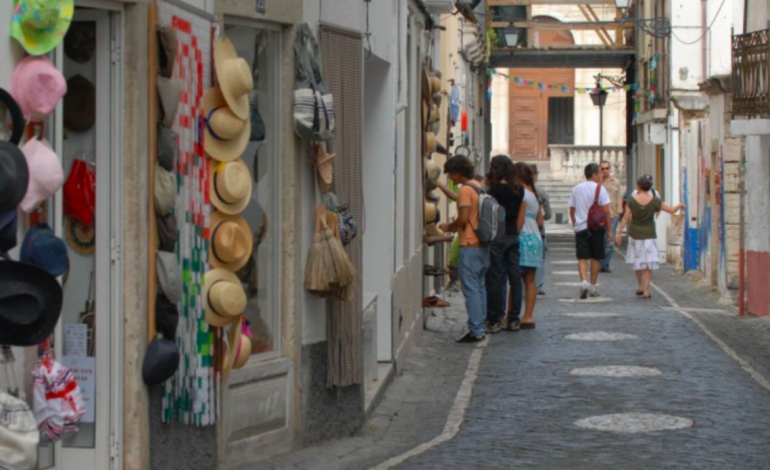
559	192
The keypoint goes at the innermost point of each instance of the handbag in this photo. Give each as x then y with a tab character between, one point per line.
19	437
314	118
597	219
57	400
80	192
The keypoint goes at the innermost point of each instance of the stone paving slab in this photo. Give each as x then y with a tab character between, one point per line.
526	401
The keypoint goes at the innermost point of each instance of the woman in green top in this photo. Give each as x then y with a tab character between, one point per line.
642	253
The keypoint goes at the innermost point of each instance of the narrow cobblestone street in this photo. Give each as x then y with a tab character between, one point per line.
677	381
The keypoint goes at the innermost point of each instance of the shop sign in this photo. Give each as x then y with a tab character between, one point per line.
261	6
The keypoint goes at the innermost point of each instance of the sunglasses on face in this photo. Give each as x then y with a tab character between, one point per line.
605	168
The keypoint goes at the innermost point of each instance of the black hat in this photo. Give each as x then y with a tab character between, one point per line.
167	228
160	362
17	117
14	176
166	316
80	41
30	304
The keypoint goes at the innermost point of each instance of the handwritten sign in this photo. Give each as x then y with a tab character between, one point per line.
84	369
75	340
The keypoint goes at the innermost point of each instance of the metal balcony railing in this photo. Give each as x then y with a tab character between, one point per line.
751	74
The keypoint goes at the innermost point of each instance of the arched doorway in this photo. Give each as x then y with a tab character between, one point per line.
531	109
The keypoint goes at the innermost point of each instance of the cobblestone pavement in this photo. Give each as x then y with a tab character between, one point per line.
688	388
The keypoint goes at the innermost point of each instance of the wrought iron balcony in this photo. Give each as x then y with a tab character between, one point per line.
751	74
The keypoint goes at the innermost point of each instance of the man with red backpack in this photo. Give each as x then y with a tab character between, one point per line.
589	210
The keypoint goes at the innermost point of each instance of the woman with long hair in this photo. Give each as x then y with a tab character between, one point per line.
504	259
530	246
641	210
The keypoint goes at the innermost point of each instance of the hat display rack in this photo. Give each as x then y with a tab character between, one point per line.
163	354
230	122
431	103
30	295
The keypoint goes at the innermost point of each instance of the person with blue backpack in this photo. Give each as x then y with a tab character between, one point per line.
480	222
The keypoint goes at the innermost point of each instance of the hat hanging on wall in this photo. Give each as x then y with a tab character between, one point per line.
234	77
40	25
239	348
230	186
160	361
168	147
166	316
80	41
224	297
38	86
169	275
231	241
166	51
432	174
80	237
30	303
79	104
167	228
428	143
42	248
227	135
165	191
46	174
17	118
14	177
168	92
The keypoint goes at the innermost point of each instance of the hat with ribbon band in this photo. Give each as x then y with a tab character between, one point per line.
227	135
224	297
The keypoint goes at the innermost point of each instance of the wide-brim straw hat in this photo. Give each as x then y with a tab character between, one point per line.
231	241
431	230
433	115
227	135
231	186
435	84
238	350
223	296
428	143
426	94
430	212
432	174
234	76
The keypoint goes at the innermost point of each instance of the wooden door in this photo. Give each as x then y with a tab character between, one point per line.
528	110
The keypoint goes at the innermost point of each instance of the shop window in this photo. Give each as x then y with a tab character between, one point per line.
261	276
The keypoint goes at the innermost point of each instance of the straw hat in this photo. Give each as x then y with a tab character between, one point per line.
431	230
234	76
239	349
432	174
230	186
431	211
433	115
227	135
231	241
435	84
428	143
224	297
425	85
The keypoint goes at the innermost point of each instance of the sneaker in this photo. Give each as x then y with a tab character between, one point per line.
493	328
469	337
605	270
513	326
592	292
583	292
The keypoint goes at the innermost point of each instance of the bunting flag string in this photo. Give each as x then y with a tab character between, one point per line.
560	88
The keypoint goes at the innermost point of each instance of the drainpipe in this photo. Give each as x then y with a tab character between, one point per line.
704	42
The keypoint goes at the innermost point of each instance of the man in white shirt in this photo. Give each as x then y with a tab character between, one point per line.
589	243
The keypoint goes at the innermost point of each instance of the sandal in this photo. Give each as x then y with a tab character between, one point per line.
648	296
527	326
639	292
434	301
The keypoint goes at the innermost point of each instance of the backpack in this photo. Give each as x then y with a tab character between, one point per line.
597	219
491	227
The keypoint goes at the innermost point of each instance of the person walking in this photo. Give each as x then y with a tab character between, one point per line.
642	254
545	203
504	255
615	190
530	248
473	261
589	244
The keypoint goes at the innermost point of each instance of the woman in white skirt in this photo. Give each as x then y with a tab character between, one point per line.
642	253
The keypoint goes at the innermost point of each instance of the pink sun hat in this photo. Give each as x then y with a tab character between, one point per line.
37	85
46	174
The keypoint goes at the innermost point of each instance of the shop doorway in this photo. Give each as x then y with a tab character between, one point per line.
88	338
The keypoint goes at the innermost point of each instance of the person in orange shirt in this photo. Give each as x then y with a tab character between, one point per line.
474	257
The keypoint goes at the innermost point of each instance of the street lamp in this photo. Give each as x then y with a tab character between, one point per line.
599	98
511	36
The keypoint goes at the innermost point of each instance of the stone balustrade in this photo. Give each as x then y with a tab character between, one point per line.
568	161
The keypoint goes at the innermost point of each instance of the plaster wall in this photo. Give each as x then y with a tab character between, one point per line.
499	114
758	15
686	59
719	39
758	243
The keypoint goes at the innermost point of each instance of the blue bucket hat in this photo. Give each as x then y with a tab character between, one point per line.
44	249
